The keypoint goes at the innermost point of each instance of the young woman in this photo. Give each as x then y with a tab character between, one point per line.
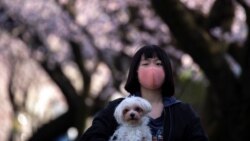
150	76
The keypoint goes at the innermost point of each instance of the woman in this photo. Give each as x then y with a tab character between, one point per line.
150	76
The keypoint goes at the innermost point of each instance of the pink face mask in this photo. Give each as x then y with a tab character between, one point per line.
151	77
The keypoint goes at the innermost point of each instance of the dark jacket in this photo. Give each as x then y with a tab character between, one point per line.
181	123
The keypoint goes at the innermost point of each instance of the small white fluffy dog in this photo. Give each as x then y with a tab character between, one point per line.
132	115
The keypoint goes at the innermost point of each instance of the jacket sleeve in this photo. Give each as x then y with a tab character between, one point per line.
103	124
194	130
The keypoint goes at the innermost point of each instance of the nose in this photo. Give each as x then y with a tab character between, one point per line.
132	115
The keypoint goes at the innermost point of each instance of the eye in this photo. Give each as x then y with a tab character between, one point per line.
144	63
125	111
158	63
138	109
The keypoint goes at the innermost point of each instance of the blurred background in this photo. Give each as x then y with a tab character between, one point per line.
61	61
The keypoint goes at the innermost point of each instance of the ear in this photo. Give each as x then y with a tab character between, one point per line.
118	114
145	105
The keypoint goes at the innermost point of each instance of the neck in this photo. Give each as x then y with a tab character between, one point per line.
155	99
153	96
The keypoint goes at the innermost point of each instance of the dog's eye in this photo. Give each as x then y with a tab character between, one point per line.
138	109
125	111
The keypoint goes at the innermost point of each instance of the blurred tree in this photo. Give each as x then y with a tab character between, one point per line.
89	35
226	63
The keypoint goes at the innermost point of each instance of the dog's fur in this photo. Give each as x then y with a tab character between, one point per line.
132	116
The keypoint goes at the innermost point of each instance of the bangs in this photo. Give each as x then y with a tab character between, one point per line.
150	53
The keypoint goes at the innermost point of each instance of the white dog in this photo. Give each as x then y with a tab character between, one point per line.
132	116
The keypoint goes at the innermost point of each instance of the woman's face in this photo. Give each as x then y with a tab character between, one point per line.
151	73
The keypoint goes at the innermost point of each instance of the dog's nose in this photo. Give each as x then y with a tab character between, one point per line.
132	115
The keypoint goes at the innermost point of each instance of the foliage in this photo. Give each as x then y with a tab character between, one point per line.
79	51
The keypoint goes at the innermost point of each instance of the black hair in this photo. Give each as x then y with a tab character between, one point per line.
149	51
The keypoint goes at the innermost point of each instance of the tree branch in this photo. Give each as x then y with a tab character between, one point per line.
78	57
51	131
69	6
62	81
11	93
245	77
221	15
236	50
246	55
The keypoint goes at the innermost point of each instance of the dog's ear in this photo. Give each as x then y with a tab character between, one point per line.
145	105
118	114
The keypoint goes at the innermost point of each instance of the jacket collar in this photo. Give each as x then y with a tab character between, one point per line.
167	101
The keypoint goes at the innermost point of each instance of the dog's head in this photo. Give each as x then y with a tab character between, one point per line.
132	111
